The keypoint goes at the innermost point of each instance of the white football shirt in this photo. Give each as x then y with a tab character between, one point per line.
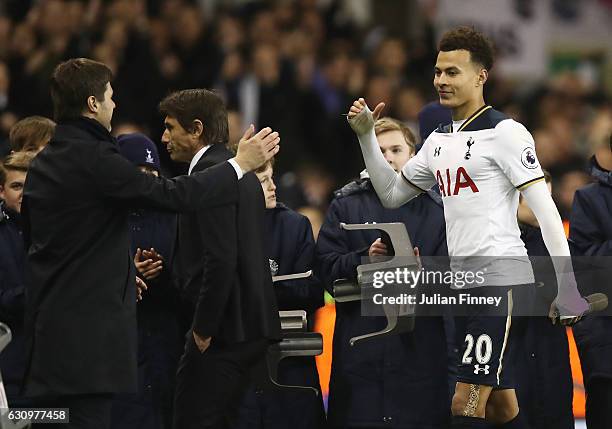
479	169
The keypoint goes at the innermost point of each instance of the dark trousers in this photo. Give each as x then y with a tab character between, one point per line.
599	404
208	384
90	411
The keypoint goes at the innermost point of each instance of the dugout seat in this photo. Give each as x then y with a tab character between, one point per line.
400	317
295	341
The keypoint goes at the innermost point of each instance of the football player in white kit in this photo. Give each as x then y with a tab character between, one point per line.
480	162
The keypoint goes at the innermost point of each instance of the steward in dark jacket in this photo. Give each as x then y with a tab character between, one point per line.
290	247
160	333
396	381
13	174
12	300
591	245
160	336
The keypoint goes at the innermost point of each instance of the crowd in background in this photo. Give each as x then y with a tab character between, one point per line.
293	65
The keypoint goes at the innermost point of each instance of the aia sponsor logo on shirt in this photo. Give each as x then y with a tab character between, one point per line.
452	182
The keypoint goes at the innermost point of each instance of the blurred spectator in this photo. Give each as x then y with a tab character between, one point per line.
7	118
315	217
568	185
390	60
408	103
318	186
200	58
293	65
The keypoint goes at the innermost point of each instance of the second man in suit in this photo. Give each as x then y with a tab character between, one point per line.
221	269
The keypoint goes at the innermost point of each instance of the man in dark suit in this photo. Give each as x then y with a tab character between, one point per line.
81	296
221	268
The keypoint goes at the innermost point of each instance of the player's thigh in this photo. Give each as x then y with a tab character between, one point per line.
470	399
502	406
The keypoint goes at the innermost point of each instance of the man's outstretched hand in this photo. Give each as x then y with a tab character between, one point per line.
361	119
255	149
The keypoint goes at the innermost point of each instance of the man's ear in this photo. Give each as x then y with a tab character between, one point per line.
92	104
483	75
197	128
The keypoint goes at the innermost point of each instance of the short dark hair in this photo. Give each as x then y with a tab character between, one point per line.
73	82
191	104
31	133
476	43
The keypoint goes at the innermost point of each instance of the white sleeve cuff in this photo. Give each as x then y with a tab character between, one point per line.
237	168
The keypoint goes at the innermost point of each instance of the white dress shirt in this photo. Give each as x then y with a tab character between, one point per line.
196	158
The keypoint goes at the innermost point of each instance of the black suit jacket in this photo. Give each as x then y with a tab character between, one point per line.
80	295
221	265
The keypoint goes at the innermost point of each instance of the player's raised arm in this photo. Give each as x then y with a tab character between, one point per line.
392	190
